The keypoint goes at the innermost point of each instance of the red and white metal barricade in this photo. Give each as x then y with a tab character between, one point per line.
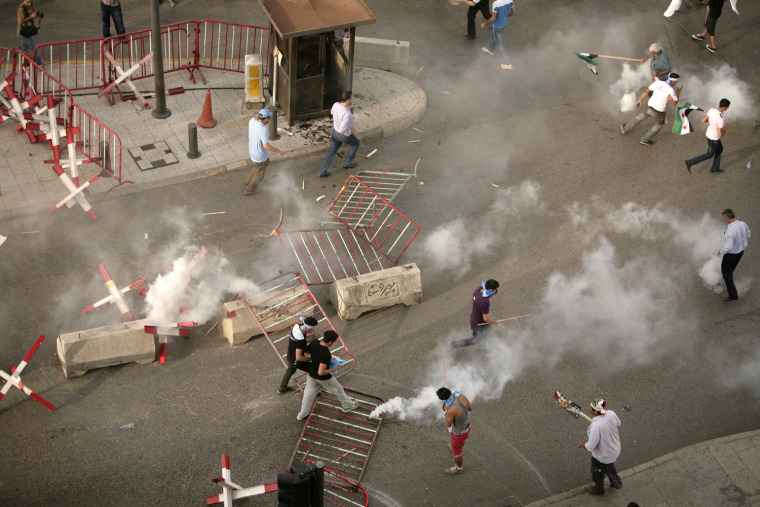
372	235
162	332
279	305
41	82
76	194
223	46
76	63
116	295
342	441
124	76
14	379
232	491
97	142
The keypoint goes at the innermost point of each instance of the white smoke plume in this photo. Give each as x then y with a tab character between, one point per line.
194	288
707	86
627	89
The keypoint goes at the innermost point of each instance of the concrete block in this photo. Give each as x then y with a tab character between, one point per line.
238	325
354	296
274	312
127	342
383	54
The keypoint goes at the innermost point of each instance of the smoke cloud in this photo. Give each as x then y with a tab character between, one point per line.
633	79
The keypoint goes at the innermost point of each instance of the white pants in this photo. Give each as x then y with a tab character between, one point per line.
313	386
672	8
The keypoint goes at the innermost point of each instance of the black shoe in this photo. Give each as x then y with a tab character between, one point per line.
286	390
591	490
698	36
711	49
469	37
729	299
351	165
716	171
326	175
616	486
688	165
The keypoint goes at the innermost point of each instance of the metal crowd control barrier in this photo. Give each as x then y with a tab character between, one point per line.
96	141
372	235
386	184
6	60
341	440
33	80
76	63
279	305
223	46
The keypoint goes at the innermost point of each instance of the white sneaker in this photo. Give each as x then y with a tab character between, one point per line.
488	51
506	67
353	406
452	470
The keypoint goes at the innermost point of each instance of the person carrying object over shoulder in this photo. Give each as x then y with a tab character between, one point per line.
735	241
343	132
662	93
456	408
296	357
111	9
26	29
659	65
320	376
259	148
604	445
716	129
480	317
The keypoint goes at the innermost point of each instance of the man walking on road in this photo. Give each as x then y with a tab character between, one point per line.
111	9
343	133
714	10
480	317
320	376
662	92
296	358
258	149
501	11
715	130
457	408
735	240
475	7
604	446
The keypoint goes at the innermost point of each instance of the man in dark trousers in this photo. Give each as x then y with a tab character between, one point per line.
714	10
604	446
320	376
480	317
717	127
475	7
735	240
457	408
296	358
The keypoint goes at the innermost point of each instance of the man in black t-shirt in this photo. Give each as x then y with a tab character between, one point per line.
320	376
714	10
296	358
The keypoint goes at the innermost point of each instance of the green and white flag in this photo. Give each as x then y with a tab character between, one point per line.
682	126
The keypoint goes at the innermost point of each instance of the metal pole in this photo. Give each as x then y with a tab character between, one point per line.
160	112
192	140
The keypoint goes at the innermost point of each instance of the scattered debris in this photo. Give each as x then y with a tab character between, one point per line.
494	184
418	130
418	72
288	132
29	232
127	426
321	197
445	92
214	213
372	152
417	141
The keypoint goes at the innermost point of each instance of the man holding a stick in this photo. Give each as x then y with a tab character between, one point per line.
604	446
480	317
457	408
660	64
320	376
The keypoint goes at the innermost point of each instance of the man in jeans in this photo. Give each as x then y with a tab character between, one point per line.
111	9
662	92
501	11
343	133
715	131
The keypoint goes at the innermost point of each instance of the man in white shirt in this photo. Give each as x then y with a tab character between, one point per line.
662	92
716	128
343	133
735	241
604	446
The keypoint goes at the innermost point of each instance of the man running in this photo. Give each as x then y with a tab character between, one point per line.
480	317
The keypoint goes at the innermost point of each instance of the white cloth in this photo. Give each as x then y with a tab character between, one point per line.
343	119
716	121
736	237
672	8
603	437
661	90
313	386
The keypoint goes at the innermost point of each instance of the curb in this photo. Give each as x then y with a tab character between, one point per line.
649	464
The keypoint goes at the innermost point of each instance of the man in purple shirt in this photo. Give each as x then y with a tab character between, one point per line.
480	318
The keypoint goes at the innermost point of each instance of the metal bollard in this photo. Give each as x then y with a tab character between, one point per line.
273	134
192	137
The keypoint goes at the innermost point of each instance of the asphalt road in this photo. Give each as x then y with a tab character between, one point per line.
658	342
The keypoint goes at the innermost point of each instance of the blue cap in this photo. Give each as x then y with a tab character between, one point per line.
265	113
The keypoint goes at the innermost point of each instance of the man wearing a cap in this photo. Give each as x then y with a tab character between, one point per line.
259	148
604	445
296	358
662	92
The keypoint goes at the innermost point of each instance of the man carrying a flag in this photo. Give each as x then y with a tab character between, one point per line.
716	128
662	92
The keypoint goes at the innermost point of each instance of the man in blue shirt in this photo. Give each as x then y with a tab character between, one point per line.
501	11
259	148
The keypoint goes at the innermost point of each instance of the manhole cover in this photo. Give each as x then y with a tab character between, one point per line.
151	156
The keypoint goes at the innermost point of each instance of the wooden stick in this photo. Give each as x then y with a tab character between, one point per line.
445	382
212	327
620	58
509	318
508	331
418	72
346	454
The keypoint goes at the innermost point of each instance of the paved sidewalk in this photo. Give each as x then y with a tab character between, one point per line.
384	104
724	471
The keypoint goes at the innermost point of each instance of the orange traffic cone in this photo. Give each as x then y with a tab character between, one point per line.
207	120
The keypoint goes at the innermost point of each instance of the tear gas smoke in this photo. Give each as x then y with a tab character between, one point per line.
707	86
633	79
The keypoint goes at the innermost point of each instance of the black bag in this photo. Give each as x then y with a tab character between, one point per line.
28	30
